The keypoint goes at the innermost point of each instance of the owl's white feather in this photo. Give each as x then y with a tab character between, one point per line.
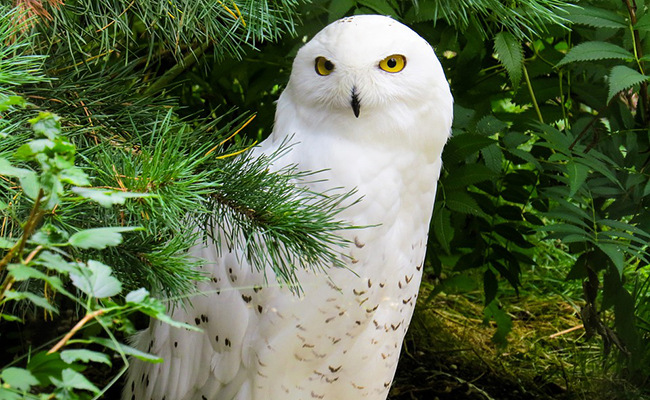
341	340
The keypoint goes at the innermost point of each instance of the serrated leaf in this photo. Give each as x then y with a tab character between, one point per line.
30	185
462	146
99	238
46	124
462	202
591	51
493	157
18	378
108	197
643	24
83	355
46	366
614	254
621	78
128	350
490	285
577	174
338	8
597	17
511	54
380	7
37	300
489	125
468	175
96	280
56	263
504	323
74	176
71	379
7	102
137	296
442	228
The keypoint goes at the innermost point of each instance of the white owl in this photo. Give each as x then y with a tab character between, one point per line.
368	103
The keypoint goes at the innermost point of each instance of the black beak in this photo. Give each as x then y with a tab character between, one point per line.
355	103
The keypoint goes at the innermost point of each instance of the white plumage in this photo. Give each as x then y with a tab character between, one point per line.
368	103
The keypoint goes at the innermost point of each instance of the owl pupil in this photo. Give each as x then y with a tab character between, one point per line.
328	65
392	63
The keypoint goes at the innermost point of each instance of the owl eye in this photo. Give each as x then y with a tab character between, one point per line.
393	64
323	66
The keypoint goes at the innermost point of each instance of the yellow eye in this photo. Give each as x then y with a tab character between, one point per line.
392	64
323	66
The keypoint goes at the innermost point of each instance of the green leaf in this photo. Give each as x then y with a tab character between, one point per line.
621	78
7	102
511	54
108	197
614	254
643	24
7	394
46	366
442	228
462	202
70	356
490	285
504	323
591	51
71	379
380	7
96	280
18	378
6	244
37	300
128	350
46	124
469	174
155	308
74	176
30	185
99	238
597	17
137	296
338	8
56	263
462	146
577	176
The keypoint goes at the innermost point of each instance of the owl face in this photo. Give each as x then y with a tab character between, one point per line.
362	65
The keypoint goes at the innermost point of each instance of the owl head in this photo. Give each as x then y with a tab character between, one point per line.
364	65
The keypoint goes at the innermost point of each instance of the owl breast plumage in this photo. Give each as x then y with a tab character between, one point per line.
368	105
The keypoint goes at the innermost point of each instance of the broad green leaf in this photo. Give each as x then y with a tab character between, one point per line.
468	175
379	6
504	323
128	350
46	124
57	263
99	238
591	51
108	197
442	228
37	300
621	78
493	157
643	24
614	253
9	101
74	176
597	17
71	379
490	285
70	356
18	378
577	173
96	280
137	296
511	54
22	272
30	185
46	366
6	244
462	202
338	8
7	169
462	146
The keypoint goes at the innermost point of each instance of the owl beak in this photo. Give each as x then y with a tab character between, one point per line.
355	103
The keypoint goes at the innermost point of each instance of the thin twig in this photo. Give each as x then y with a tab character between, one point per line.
532	95
638	54
74	330
564	332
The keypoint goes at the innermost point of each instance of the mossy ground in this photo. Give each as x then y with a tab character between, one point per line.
449	353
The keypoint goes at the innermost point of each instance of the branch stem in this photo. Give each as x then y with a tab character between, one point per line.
75	329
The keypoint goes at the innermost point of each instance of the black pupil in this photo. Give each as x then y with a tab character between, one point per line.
328	65
392	63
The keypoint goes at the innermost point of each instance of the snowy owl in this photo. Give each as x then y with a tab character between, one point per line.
367	104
